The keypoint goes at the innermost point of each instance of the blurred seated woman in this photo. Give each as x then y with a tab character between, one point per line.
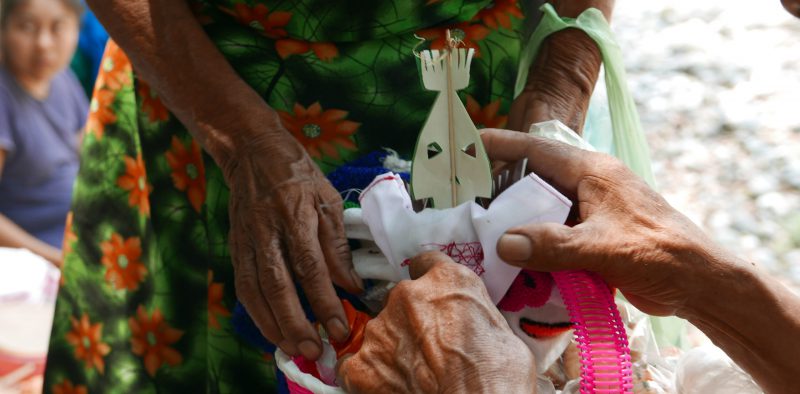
42	110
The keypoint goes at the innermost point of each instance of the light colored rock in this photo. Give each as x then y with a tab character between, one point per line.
717	84
779	203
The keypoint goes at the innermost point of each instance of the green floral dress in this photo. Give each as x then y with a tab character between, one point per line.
147	290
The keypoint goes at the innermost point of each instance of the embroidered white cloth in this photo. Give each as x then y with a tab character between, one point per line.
468	232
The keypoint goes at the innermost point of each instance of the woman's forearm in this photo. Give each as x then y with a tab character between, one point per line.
754	318
169	49
13	236
562	77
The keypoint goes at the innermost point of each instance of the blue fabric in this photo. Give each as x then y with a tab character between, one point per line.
245	327
40	138
92	42
283	388
359	173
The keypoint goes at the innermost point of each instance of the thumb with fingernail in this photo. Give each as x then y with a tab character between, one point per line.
540	246
514	249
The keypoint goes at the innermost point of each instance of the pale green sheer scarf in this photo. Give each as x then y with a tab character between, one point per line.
629	144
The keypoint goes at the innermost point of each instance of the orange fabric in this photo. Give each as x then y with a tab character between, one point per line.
357	321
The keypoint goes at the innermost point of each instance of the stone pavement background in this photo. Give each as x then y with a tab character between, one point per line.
717	84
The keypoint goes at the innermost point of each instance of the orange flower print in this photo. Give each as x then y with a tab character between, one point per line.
468	33
115	69
115	72
150	339
121	257
324	51
290	46
134	180
86	338
66	387
151	104
500	13
188	172
215	307
100	112
320	132
271	23
485	117
69	235
273	26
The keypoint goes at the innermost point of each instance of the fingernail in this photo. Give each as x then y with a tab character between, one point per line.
309	350
356	279
337	330
514	248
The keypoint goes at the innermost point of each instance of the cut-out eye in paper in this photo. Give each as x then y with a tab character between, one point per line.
470	150
433	150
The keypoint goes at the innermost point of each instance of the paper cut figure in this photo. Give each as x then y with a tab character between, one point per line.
450	165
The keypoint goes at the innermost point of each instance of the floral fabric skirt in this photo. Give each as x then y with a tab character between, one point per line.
147	294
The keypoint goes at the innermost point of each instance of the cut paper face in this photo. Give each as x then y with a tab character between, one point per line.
536	313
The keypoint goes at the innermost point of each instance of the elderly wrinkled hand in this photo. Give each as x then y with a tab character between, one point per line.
657	257
286	222
439	332
627	232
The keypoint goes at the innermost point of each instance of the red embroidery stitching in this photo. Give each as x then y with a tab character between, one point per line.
469	254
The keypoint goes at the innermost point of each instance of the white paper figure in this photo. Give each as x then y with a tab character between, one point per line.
450	165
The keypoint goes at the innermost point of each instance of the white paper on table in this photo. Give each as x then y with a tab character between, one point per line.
28	288
401	233
27	277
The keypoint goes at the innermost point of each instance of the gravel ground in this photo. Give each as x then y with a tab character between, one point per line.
717	84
